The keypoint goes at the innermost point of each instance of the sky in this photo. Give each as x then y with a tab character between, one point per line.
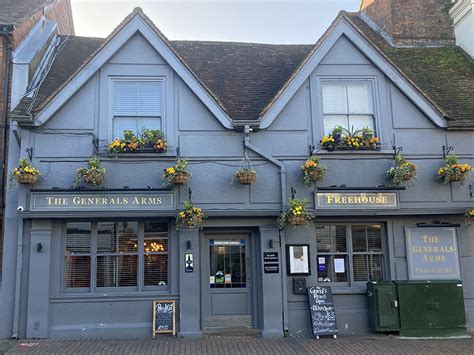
259	21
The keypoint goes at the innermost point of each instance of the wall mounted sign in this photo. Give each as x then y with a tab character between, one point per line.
356	200
270	257
164	317
101	201
432	253
271	268
188	263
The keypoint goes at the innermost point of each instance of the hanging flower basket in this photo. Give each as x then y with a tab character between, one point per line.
26	178
93	174
453	171
296	214
246	176
469	216
190	217
296	220
177	174
180	179
403	171
312	171
25	173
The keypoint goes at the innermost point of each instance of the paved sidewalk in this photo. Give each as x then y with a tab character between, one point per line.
244	345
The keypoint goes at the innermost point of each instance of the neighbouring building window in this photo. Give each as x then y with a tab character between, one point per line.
348	104
115	255
348	254
137	105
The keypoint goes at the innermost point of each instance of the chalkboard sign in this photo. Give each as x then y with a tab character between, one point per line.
322	311
164	317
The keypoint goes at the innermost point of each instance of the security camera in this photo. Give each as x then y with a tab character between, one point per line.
20	208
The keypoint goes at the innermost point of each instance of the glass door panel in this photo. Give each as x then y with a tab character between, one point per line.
227	263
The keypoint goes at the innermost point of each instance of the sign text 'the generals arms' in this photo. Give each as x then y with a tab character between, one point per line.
363	200
102	200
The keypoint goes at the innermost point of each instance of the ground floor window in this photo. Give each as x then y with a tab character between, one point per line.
115	254
348	254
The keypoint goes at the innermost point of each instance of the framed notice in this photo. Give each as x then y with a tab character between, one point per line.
164	317
297	257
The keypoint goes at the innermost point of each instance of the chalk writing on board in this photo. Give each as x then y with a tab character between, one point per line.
164	317
322	311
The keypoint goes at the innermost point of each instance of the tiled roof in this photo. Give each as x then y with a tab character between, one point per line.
13	11
444	75
246	77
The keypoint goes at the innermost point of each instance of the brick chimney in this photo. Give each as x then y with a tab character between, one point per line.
412	22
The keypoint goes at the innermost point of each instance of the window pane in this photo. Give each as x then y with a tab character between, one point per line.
135	98
334	98
78	238
360	97
153	245
149	98
117	237
124	124
149	122
359	238
331	121
156	227
332	268
374	238
359	122
117	271
331	238
78	271
125	98
156	270
367	267
76	261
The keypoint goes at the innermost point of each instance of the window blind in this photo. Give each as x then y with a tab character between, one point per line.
77	258
137	98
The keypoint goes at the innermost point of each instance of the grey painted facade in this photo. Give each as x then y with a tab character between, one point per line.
34	303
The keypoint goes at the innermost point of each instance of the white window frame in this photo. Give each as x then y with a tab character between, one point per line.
115	79
346	79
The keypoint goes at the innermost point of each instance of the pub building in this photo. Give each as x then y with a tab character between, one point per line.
84	261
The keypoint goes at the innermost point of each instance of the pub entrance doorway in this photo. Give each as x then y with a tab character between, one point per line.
226	281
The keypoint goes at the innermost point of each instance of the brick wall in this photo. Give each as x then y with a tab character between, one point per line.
59	11
414	22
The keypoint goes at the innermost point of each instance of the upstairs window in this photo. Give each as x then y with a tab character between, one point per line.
348	104
137	105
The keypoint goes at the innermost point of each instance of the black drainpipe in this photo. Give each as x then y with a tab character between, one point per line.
5	32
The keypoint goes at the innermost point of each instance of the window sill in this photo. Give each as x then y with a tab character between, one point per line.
365	152
171	152
67	296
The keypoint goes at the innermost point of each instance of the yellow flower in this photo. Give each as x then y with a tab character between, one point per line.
181	214
170	171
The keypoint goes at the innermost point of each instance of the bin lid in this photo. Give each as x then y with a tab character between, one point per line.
381	282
